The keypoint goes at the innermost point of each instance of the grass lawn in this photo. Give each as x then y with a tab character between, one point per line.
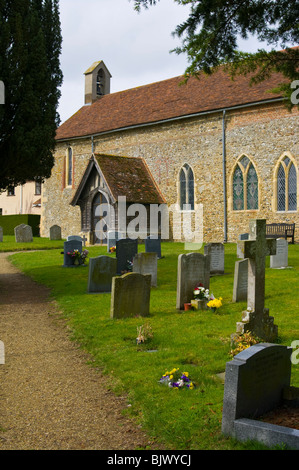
195	342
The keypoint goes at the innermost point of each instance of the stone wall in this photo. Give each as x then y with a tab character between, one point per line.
263	133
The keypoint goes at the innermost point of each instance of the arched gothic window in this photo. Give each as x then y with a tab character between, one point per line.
245	186
186	188
69	167
286	185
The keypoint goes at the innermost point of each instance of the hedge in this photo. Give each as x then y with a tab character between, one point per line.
9	222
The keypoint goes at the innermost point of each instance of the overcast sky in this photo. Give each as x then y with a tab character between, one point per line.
134	46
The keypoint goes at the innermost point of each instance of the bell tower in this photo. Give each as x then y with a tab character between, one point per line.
97	82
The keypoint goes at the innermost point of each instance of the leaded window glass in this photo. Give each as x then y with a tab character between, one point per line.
252	189
186	188
281	189
238	190
69	166
292	188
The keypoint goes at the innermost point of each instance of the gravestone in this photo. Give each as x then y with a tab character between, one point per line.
153	245
126	249
113	237
280	259
74	237
256	318
193	268
240	280
68	247
23	233
146	263
254	384
242	236
55	232
1	234
101	271
216	252
130	295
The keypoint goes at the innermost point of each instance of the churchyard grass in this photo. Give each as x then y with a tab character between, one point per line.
38	243
197	342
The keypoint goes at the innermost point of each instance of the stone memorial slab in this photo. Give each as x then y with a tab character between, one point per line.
126	249
23	233
254	384
146	263
101	271
1	234
68	247
130	295
240	280
256	318
242	237
55	232
216	252
193	268
280	259
153	245
74	237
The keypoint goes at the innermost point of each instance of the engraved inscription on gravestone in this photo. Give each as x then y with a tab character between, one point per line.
216	252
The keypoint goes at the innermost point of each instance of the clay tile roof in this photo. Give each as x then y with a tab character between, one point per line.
165	100
130	177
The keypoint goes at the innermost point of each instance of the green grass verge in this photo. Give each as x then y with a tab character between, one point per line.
196	342
9	244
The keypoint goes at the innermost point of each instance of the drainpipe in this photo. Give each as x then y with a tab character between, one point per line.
21	199
92	145
224	176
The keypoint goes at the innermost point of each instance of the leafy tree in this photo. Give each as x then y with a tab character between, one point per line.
30	45
210	34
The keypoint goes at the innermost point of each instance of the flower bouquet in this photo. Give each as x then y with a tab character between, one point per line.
77	256
176	380
112	249
213	304
200	292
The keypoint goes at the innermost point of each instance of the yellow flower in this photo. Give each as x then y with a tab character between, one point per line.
186	374
171	377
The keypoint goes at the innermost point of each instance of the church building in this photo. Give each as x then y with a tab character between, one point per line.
219	151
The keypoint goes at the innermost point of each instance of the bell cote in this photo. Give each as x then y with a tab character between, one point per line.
97	82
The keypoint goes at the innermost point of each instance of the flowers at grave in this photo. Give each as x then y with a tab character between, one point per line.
200	292
213	304
144	333
112	249
243	341
76	255
176	380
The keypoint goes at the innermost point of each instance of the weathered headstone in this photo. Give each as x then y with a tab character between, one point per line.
153	245
23	233
256	318
130	295
216	252
55	232
254	383
240	280
68	247
193	268
146	263
280	259
1	234
101	271
242	236
126	249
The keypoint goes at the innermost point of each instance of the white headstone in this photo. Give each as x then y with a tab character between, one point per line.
146	263
280	260
216	252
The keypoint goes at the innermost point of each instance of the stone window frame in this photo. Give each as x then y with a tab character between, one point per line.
280	162
69	181
245	174
186	167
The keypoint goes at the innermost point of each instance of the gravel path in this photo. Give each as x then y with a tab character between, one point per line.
50	399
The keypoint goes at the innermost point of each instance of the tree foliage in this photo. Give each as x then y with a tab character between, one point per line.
30	46
209	37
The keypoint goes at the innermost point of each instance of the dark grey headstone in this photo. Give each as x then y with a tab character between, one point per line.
1	234
193	269
240	280
254	383
70	246
153	245
101	271
126	249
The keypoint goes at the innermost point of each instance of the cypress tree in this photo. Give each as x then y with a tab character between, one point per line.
30	45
